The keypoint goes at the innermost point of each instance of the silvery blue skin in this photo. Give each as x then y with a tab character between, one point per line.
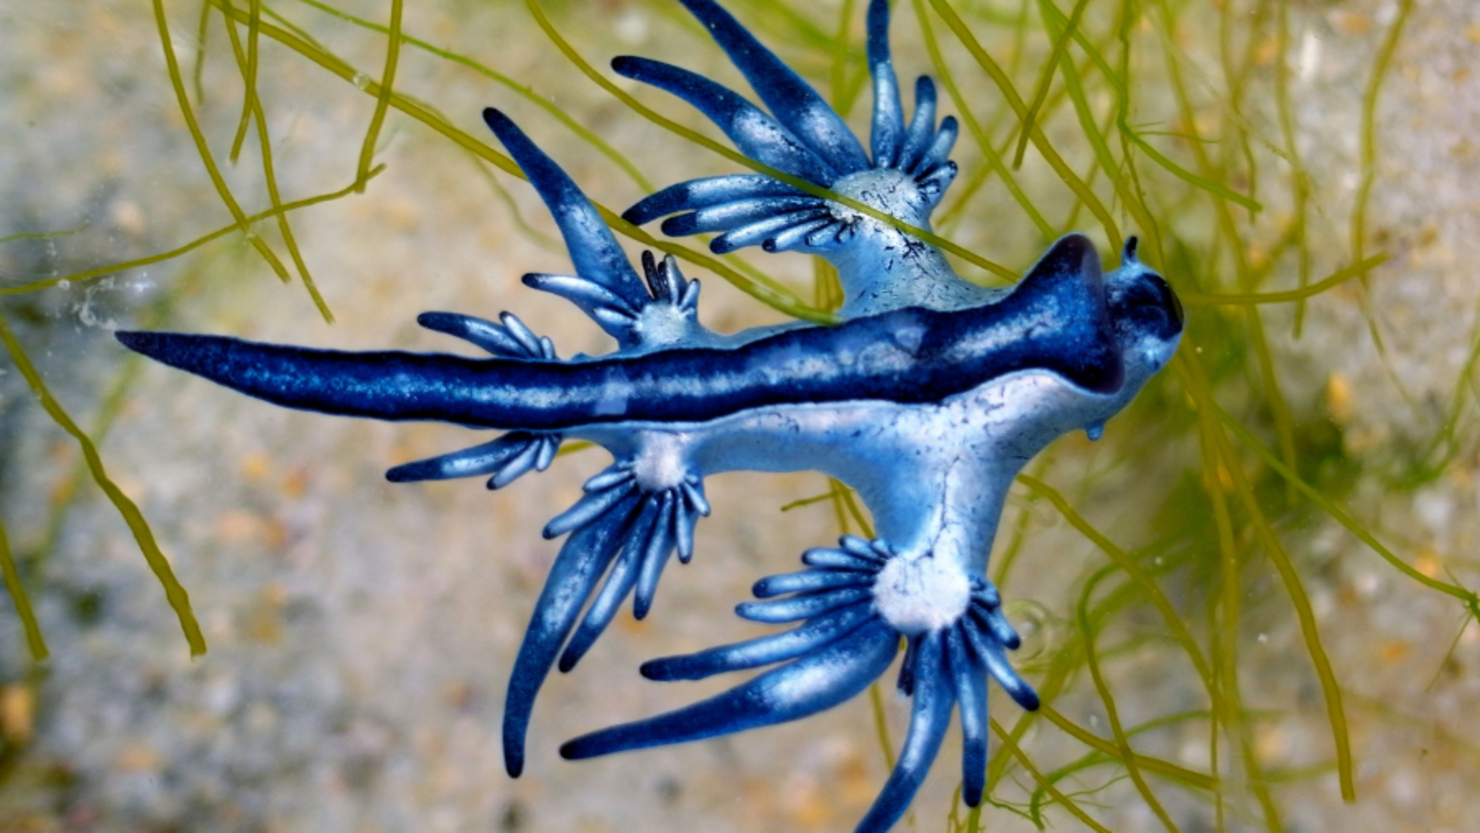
928	399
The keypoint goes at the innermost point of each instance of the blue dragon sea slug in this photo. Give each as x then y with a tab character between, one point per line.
927	399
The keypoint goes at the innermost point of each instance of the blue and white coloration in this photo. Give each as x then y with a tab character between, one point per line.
927	399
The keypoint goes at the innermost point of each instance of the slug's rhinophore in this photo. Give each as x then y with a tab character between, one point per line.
927	399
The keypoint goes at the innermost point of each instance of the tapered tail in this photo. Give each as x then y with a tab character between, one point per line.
390	385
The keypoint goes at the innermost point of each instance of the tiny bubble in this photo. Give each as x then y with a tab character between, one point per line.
1263	638
361	80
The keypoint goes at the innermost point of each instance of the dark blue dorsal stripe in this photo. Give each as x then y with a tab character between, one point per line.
1056	320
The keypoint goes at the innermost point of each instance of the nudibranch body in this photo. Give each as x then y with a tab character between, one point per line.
927	399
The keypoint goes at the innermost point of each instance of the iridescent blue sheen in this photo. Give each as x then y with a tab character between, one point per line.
927	399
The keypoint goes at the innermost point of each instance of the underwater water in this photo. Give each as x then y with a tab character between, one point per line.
1180	595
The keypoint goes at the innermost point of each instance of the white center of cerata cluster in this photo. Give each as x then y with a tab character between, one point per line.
921	594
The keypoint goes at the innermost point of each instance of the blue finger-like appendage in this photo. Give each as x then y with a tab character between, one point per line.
990	654
593	249
691	506
581	562
939	151
986	594
593	298
819	234
536	455
934	184
702	193
852	553
809	581
610	477
794	103
996	624
906	681
921	133
877	550
619	583
831	559
762	230
971	697
929	718
603	609
798	608
816	681
888	127
509	339
505	458
683	533
740	212
548	450
829	237
756	134
601	493
654	555
693	494
762	650
668	284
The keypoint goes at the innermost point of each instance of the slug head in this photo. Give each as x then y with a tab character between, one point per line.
1148	315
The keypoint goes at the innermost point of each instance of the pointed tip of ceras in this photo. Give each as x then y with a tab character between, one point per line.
179	350
664	670
405	473
132	339
514	757
665	280
625	65
499	123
